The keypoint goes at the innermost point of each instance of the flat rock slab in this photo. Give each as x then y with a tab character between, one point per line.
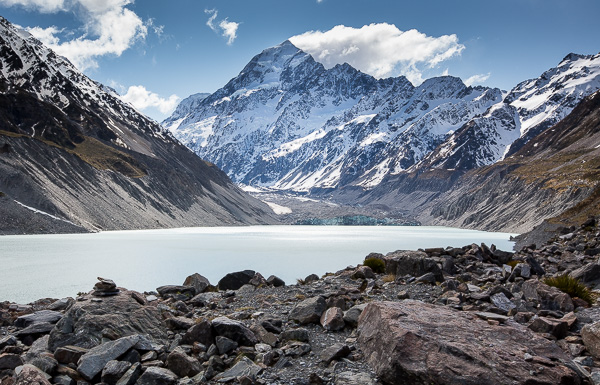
38	317
411	342
92	362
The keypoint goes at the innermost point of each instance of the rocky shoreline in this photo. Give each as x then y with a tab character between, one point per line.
467	315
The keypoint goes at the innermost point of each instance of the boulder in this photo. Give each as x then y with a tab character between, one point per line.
181	323
234	330
92	362
351	378
363	272
501	301
244	368
234	281
590	334
86	323
309	310
198	282
558	328
157	376
275	281
201	332
550	298
177	292
30	375
225	345
589	273
351	315
131	376
38	317
10	361
334	352
414	342
333	319
311	278
299	334
113	371
61	304
415	263
181	364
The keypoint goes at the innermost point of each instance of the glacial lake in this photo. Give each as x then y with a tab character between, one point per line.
57	266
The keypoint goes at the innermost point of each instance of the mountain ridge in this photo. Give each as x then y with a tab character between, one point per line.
75	151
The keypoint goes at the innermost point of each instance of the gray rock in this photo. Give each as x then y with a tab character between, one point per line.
263	335
245	367
311	278
92	362
550	298
131	376
525	270
61	304
333	319
113	371
309	310
589	273
435	344
351	378
591	338
198	282
157	376
501	301
351	315
363	272
30	375
225	345
296	349
275	281
63	379
201	332
38	317
33	331
177	292
426	278
10	361
557	328
69	354
181	364
299	334
105	287
234	330
181	323
334	352
7	341
414	263
86	323
234	281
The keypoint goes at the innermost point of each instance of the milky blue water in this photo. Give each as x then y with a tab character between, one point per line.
56	266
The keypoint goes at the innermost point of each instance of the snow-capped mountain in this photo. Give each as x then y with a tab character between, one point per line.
528	109
288	123
73	152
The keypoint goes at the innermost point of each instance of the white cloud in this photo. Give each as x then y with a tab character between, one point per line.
225	28
142	99
477	79
229	30
109	28
46	6
381	50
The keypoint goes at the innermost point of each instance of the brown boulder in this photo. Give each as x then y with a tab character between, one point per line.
411	342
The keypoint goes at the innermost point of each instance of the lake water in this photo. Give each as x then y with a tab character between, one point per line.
56	266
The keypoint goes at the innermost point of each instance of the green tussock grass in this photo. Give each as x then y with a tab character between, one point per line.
571	286
376	264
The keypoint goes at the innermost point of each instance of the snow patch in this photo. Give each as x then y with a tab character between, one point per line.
279	210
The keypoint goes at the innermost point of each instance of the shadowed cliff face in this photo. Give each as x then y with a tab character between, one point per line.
70	148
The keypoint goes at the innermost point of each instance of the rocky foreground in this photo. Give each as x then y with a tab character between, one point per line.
471	315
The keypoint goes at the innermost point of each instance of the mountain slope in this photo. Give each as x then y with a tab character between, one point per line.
287	123
554	177
529	108
74	151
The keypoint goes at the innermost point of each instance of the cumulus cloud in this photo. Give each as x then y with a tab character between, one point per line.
225	28
109	28
381	50
477	79
142	99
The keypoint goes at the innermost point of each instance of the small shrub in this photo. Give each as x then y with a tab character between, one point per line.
389	278
300	297
513	264
1	194
571	286
376	264
300	281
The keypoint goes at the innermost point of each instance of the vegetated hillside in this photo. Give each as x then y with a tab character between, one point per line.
555	176
78	158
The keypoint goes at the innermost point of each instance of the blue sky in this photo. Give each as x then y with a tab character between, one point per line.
157	51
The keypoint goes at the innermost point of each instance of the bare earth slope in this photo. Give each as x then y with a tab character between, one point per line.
70	150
